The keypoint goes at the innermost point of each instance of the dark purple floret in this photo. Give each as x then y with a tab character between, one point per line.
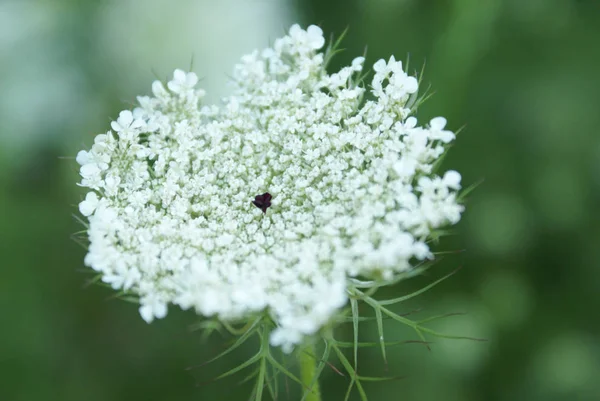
262	201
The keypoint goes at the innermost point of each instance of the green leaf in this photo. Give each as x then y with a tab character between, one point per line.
354	305
242	366
349	319
81	221
81	242
432	318
422	337
380	379
365	344
435	235
450	336
286	372
438	163
376	305
465	192
94	280
418	292
241	340
131	299
349	391
333	47
352	373
248	377
208	326
237	332
374	284
442	253
205	324
379	317
271	384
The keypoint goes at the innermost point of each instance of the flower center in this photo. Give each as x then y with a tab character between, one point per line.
262	201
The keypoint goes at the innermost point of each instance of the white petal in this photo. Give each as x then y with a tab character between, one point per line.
379	65
411	85
138	123
160	310
316	38
424	183
191	80
159	90
421	250
438	123
146	313
174	86
125	118
92	197
357	63
89	205
86	209
179	76
411	122
447	136
116	126
139	113
102	138
315	31
83	157
295	30
89	170
452	179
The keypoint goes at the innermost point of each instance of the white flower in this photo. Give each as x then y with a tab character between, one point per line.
152	308
83	157
90	203
90	170
452	179
126	126
272	200
159	91
357	63
312	38
182	81
437	130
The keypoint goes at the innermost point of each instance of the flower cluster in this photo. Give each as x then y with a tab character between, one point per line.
174	186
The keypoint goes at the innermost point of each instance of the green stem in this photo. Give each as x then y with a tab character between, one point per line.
308	368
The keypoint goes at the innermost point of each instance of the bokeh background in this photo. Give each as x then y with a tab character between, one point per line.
523	77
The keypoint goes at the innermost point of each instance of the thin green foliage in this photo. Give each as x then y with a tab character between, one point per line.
467	191
354	306
379	317
366	344
333	48
414	294
241	340
268	367
352	372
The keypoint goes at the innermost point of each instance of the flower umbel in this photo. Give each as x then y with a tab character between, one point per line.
174	215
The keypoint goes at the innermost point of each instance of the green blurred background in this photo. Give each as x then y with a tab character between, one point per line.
523	76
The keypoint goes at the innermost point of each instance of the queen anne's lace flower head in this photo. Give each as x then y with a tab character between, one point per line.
173	213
